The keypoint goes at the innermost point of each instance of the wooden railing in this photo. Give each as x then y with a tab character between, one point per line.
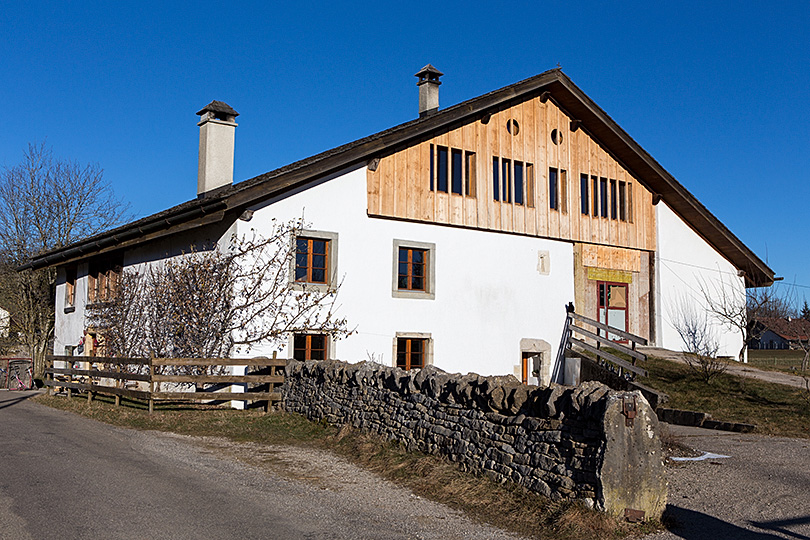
150	372
601	336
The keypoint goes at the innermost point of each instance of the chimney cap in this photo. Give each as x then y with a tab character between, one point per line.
219	107
428	74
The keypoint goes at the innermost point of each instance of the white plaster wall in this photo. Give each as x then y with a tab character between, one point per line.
489	293
685	265
69	327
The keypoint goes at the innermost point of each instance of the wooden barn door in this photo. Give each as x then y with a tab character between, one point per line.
612	310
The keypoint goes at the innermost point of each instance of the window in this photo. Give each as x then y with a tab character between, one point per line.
309	347
311	260
613	200
102	281
623	201
315	263
553	201
603	197
562	197
595	182
469	173
495	179
70	289
411	270
513	181
506	180
457	179
530	185
412	352
585	201
452	170
414	270
518	182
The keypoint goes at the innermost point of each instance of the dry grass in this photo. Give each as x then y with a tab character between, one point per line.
507	506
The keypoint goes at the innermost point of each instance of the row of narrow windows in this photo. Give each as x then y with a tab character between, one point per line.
453	170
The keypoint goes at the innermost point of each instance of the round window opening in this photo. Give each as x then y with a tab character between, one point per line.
512	127
556	136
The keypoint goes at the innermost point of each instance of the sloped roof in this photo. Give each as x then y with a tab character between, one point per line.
787	329
554	84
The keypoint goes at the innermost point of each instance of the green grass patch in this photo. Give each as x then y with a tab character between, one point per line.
507	506
786	361
776	409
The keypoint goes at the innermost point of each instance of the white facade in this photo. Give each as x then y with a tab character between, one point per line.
686	266
495	295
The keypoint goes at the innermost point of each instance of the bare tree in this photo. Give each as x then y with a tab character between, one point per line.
45	203
694	325
743	313
211	303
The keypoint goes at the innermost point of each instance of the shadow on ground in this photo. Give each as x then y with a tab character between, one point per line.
693	525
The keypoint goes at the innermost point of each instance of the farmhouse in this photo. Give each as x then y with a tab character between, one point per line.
458	237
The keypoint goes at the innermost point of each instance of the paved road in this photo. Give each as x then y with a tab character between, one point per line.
761	492
64	476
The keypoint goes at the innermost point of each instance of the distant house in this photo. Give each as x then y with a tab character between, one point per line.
459	236
778	333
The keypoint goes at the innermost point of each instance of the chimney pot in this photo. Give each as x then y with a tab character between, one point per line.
217	133
428	90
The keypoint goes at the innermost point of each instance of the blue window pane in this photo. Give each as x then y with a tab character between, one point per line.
583	194
318	261
442	180
506	180
495	179
456	171
418	256
318	275
518	182
552	189
301	245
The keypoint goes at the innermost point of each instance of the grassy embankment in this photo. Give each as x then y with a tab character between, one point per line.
507	506
774	408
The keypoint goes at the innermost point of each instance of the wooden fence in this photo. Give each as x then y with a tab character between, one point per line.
141	378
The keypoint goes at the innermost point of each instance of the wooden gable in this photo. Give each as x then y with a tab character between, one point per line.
400	187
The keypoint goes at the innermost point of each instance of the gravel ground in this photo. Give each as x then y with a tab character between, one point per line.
761	491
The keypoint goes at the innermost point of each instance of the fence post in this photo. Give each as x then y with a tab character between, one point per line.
272	386
70	379
48	375
151	383
118	384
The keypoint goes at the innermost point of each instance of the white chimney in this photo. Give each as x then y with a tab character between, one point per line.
428	90
217	132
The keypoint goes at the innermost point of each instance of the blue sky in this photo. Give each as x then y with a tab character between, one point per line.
717	92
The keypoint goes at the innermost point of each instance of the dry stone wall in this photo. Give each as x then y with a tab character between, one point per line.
558	441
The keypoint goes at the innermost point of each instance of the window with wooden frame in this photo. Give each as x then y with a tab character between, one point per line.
513	181
311	260
452	170
595	196
102	280
414	269
310	346
411	271
70	289
614	209
603	197
584	199
411	352
553	201
314	262
623	201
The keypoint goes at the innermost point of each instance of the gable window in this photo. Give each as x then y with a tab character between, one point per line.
613	200
603	197
314	263
452	170
309	346
583	195
595	192
414	270
553	203
70	289
506	180
102	281
513	181
623	201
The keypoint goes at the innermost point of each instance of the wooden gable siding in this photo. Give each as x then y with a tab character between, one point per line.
400	186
